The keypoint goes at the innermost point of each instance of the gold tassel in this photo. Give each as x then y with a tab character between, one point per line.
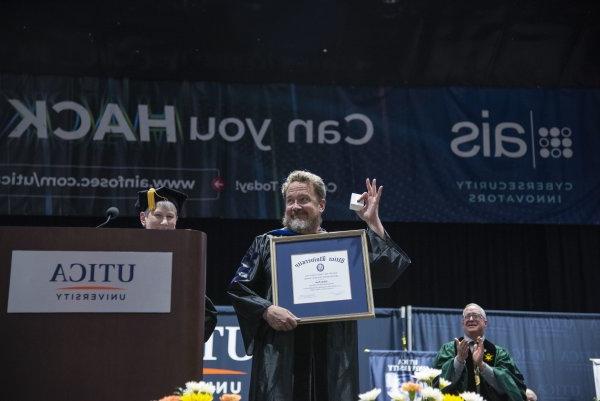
150	195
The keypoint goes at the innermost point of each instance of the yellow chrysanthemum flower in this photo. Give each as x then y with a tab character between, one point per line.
450	397
197	397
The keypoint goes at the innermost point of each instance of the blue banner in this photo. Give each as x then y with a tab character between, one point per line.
73	146
552	350
226	364
389	369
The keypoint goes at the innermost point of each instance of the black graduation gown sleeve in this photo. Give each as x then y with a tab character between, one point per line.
387	260
210	318
250	290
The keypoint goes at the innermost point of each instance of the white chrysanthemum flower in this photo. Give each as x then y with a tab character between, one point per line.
198	387
469	396
426	374
444	383
431	394
397	395
369	395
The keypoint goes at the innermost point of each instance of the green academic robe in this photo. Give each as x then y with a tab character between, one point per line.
507	375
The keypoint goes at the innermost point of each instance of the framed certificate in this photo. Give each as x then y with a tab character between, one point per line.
322	277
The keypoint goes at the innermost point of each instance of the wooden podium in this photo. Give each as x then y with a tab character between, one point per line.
104	356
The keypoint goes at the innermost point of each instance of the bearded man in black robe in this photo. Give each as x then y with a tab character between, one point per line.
312	362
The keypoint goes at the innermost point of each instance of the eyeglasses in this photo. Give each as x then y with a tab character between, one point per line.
474	316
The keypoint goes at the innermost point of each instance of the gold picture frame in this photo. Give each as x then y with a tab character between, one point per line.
322	277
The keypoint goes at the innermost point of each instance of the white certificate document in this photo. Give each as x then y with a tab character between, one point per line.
321	277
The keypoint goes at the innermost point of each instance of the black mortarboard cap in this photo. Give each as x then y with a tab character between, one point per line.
152	196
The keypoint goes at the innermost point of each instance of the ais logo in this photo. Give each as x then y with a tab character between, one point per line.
510	139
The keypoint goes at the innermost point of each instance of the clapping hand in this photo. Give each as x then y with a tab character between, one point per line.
478	353
462	349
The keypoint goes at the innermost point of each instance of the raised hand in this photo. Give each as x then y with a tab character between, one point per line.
370	211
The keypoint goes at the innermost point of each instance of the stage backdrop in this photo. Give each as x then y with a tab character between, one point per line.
226	364
228	367
552	350
74	146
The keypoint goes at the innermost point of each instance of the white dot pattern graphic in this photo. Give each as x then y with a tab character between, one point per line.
555	142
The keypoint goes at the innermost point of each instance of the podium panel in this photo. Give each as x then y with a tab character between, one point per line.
100	356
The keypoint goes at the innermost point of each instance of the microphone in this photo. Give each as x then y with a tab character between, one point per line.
111	213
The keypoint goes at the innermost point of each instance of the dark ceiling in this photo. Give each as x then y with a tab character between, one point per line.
397	42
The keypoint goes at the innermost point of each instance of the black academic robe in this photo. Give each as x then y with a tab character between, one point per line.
314	362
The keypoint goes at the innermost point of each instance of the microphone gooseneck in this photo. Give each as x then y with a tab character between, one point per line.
111	213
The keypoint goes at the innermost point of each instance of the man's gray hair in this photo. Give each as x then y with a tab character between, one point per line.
167	204
478	307
308	177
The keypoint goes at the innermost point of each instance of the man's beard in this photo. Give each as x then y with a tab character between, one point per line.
302	225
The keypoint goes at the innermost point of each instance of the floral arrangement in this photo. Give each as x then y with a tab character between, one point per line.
467	396
411	388
230	397
427	375
422	389
369	395
198	391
